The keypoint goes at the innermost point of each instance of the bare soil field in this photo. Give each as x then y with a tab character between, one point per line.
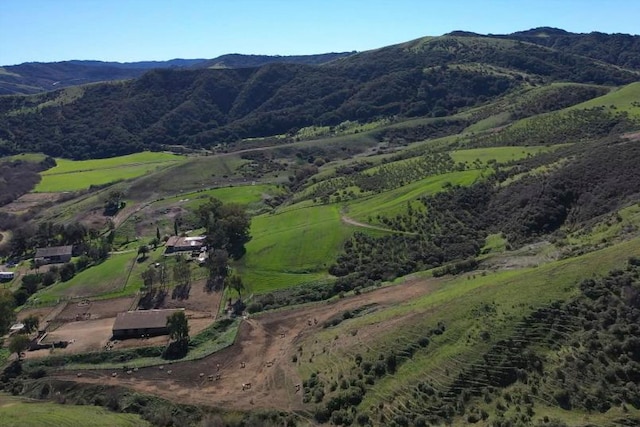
92	310
199	299
28	201
261	357
86	336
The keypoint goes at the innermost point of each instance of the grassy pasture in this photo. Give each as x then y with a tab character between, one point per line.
194	174
111	276
242	194
298	244
293	247
70	175
499	154
394	201
626	98
17	412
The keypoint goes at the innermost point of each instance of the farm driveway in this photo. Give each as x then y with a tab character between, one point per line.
265	345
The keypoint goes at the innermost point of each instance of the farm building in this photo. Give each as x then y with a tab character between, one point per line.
184	244
139	323
53	254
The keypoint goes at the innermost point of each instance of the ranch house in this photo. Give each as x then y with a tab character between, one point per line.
53	254
140	323
184	244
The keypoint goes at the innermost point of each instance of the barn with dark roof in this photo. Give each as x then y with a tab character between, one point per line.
141	323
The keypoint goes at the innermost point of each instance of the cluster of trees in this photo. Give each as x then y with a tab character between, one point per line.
420	132
18	177
26	237
599	179
227	232
178	327
449	226
202	108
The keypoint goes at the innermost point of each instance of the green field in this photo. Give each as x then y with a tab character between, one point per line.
16	412
70	175
626	98
242	194
293	247
109	277
395	201
499	154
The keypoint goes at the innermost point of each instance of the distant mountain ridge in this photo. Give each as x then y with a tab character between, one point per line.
204	107
618	49
36	77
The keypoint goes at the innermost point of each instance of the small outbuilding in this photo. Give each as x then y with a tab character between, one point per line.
141	323
6	275
53	254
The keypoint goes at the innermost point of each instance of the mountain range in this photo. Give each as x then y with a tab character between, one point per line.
234	97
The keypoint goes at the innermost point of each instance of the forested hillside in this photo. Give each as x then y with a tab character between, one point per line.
205	108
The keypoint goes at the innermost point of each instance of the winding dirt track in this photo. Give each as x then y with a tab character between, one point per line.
265	345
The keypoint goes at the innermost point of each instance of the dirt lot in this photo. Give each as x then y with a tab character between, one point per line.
91	310
198	300
264	345
28	201
90	335
87	325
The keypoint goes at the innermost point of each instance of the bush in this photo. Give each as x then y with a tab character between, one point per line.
67	271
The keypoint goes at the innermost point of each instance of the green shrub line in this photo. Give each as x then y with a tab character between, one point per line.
218	336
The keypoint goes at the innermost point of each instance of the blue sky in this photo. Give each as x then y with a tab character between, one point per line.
136	30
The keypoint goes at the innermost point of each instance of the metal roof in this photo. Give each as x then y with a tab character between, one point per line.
143	319
53	251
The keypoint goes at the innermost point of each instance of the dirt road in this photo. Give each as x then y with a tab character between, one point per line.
261	357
